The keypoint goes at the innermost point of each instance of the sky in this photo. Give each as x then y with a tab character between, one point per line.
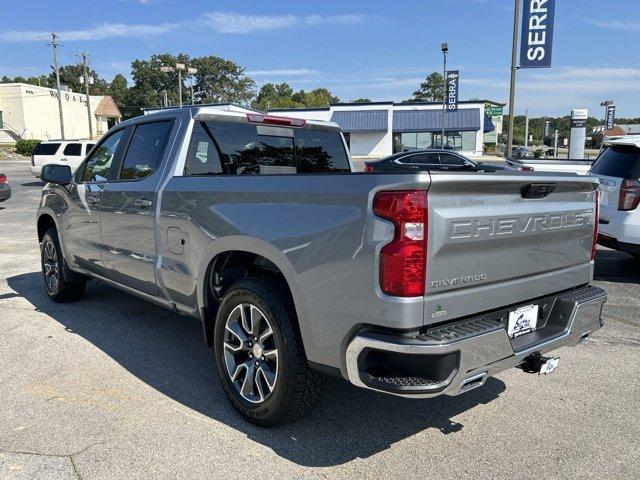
378	49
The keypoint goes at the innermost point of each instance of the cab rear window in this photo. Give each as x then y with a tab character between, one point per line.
620	161
46	149
249	149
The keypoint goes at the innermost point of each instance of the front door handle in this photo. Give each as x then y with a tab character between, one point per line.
142	202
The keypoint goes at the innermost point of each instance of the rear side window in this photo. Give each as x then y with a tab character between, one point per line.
202	157
46	149
619	161
320	152
73	150
145	150
422	158
89	147
248	149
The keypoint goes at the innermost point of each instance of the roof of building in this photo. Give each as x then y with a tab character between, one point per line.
632	129
362	120
108	108
467	119
365	104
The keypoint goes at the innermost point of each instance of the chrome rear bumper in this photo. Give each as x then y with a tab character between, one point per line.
460	356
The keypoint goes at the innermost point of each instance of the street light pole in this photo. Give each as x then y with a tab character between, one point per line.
514	68
192	71
445	48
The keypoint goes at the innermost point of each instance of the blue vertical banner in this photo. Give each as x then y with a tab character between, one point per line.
536	38
451	95
611	117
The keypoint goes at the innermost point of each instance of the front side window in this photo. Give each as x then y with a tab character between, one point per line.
145	150
73	150
89	147
451	160
97	167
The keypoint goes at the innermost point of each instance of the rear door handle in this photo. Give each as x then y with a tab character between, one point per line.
142	202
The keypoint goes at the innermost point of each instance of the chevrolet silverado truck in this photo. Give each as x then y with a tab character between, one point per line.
411	284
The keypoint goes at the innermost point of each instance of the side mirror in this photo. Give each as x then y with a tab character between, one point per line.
53	173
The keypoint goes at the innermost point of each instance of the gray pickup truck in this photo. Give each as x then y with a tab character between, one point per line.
411	284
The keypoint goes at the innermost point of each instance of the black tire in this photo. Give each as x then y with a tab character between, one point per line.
57	287
297	388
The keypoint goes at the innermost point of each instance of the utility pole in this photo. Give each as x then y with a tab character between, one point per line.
526	128
85	77
54	45
445	49
514	68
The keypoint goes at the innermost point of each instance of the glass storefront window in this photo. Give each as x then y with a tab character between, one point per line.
405	141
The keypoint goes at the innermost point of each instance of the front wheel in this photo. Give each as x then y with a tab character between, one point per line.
57	287
259	355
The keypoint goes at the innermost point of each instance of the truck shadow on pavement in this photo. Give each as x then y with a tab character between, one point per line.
167	352
614	266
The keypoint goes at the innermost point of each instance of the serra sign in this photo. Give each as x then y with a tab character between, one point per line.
536	41
453	79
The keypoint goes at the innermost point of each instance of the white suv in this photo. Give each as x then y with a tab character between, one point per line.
62	152
618	168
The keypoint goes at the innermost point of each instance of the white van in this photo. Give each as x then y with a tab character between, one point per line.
62	152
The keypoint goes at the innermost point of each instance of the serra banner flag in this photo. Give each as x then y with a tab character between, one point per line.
611	117
536	40
453	81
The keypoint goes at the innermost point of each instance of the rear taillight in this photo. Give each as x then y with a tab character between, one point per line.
596	220
3	178
368	168
403	262
273	120
526	169
629	195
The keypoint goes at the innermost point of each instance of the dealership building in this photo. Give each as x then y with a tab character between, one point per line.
377	129
29	111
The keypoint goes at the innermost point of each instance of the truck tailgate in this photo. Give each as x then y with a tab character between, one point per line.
497	239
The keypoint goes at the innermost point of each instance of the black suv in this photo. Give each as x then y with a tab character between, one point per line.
427	160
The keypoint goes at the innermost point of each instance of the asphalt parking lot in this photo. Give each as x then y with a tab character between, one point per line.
113	387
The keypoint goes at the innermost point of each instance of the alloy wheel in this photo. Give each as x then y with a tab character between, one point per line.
250	353
51	267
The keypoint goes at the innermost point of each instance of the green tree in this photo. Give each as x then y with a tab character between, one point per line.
150	82
361	100
119	90
220	81
431	90
281	96
277	96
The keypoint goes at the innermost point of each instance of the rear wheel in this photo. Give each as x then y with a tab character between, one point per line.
55	284
259	354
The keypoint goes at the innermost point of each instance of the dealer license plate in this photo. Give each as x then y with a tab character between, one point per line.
523	320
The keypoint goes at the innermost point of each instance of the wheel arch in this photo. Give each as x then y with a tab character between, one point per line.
236	258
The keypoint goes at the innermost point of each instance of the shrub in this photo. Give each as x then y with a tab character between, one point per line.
26	147
538	153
